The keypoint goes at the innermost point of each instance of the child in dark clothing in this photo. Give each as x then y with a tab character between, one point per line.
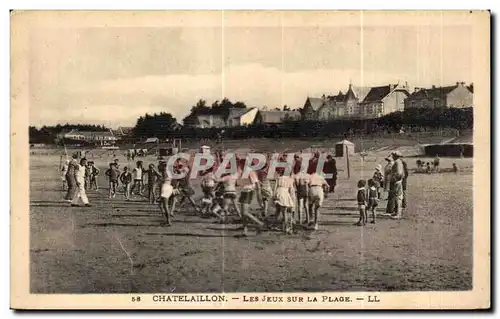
372	198
378	178
93	176
361	197
152	177
126	180
113	174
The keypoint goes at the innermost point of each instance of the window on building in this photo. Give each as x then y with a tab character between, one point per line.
436	103
413	104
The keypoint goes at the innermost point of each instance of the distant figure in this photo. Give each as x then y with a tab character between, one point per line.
297	164
428	169
420	164
361	198
79	173
455	168
436	163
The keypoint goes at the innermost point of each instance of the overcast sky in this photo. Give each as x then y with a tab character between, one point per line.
113	75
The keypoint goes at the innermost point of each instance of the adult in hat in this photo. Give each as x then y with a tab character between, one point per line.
70	177
396	186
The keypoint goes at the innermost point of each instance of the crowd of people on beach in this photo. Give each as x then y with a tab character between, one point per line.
297	196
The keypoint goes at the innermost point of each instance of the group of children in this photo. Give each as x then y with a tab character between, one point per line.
295	197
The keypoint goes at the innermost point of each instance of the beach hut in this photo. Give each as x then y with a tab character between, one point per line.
342	147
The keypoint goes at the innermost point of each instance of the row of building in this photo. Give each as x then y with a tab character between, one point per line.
373	102
103	138
243	117
356	102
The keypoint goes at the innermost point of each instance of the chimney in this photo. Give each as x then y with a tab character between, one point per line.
458	83
462	83
406	84
433	86
323	97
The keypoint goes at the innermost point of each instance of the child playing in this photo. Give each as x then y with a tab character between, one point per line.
361	197
302	186
229	196
246	196
373	198
284	193
265	191
137	176
207	187
218	201
126	180
88	174
113	173
167	199
428	169
184	186
317	186
64	169
455	168
93	176
378	178
152	176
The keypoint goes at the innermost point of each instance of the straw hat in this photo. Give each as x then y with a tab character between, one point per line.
379	167
397	153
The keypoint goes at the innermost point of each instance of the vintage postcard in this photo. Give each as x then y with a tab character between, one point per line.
250	160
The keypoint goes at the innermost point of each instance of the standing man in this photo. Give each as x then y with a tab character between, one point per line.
80	184
331	168
70	178
436	163
396	186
